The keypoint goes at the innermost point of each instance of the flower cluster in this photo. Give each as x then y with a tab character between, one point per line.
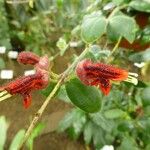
101	75
25	84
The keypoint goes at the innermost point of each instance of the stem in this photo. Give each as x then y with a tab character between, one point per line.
114	49
49	98
116	46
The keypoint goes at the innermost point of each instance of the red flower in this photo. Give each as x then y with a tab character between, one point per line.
24	85
28	58
99	74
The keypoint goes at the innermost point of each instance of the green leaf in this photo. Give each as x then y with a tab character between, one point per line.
114	113
93	27
86	98
78	124
62	45
140	56
17	140
3	131
49	88
121	25
36	132
98	137
128	144
125	126
2	63
88	130
69	119
62	94
98	53
147	147
118	2
145	95
139	5
74	122
101	121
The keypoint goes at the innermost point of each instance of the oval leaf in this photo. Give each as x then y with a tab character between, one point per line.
3	131
86	98
114	113
139	5
121	25
17	140
93	27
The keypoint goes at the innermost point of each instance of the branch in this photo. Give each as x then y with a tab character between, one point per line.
49	98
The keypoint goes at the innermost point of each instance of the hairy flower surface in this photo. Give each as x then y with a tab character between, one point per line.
99	74
28	58
24	85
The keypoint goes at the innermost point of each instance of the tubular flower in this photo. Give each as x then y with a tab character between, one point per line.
24	85
28	58
101	75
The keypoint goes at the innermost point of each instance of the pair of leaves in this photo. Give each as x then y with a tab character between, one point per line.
117	25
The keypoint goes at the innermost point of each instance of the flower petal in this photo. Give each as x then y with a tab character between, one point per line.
27	100
105	86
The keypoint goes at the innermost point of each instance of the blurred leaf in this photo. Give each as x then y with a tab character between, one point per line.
79	124
88	131
48	90
145	95
74	122
86	98
139	5
17	140
36	132
140	56
141	84
98	137
118	2
147	110
121	25
114	113
98	53
125	126
128	143
101	121
147	147
3	131
62	45
93	27
62	94
2	63
70	118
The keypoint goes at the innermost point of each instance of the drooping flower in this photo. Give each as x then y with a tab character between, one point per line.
28	58
24	85
99	74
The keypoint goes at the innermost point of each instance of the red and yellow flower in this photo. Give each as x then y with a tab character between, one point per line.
101	75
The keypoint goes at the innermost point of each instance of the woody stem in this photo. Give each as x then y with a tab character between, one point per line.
49	98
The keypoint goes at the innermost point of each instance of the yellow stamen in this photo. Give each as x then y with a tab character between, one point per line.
132	80
3	92
5	97
133	74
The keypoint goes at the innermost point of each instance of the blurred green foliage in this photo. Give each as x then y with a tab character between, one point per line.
48	26
16	141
